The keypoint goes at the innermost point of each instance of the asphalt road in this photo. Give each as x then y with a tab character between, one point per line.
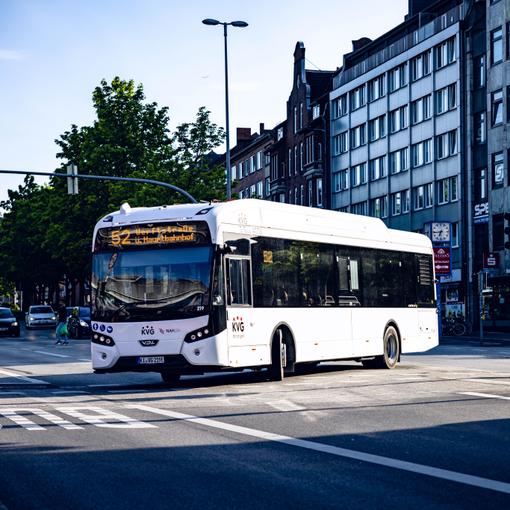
433	433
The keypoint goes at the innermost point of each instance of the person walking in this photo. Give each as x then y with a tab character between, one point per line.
61	330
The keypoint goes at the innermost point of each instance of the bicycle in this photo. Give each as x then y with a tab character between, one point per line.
455	327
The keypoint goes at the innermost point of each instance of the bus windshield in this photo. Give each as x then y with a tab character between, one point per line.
151	284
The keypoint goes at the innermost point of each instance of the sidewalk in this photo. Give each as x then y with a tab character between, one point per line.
489	338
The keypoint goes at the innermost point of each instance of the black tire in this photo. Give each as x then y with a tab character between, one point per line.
278	351
459	329
391	351
170	377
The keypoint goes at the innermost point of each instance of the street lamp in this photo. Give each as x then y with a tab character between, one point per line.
238	24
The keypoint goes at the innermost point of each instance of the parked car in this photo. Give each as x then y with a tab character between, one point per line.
8	323
78	323
40	315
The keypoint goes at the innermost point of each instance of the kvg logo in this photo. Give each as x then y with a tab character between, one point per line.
148	330
237	325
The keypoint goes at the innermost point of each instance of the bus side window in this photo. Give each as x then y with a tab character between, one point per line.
238	282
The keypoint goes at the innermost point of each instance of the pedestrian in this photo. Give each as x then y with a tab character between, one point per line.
61	330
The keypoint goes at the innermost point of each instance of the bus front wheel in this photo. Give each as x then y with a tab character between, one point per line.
391	351
278	357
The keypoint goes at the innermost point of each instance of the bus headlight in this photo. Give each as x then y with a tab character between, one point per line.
198	334
99	338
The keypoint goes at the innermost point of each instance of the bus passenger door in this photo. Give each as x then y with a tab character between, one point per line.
242	346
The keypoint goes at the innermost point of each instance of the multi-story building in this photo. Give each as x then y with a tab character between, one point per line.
250	163
397	131
299	154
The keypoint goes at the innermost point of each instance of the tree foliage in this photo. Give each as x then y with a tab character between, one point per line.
46	233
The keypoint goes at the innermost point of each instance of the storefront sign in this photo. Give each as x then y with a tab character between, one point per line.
442	261
490	260
481	213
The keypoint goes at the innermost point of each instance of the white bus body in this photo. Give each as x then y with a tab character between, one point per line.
270	285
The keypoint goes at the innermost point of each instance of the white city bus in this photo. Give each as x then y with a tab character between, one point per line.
197	288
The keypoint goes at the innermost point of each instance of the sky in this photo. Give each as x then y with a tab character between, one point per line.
53	53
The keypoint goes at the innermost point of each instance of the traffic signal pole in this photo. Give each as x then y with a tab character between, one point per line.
73	176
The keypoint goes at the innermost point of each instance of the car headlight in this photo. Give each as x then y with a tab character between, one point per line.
54	318
30	319
14	324
83	324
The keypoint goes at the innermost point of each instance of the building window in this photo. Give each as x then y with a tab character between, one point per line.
498	232
309	150
396	203
418	198
268	186
300	115
420	66
253	165
397	77
295	120
479	71
498	170
376	88
340	143
341	180
445	53
497	107
420	110
398	119
376	168
302	195
340	106
377	128
447	190
316	111
358	136
358	98
379	207
296	197
358	174
289	164
455	235
421	153
319	192
360	208
279	135
446	99
260	192
429	194
446	144
497	46
301	150
274	167
295	159
398	161
480	127
406	201
310	193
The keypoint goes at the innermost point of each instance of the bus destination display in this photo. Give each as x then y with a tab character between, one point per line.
153	235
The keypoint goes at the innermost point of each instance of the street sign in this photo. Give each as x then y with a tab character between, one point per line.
442	261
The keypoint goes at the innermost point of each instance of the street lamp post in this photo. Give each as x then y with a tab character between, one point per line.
239	24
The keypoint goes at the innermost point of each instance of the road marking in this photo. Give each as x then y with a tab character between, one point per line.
483	395
52	354
286	405
489	381
103	385
30	380
104	418
84	359
13	415
445	474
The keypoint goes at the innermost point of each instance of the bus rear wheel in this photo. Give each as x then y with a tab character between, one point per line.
170	377
391	351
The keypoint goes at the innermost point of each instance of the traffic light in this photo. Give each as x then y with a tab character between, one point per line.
507	231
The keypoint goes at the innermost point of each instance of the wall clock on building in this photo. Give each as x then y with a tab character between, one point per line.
440	231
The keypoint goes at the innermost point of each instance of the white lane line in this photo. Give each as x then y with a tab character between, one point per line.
445	474
489	381
52	354
483	395
13	415
23	378
84	359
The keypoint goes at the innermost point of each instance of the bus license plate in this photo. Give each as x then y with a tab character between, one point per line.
150	360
